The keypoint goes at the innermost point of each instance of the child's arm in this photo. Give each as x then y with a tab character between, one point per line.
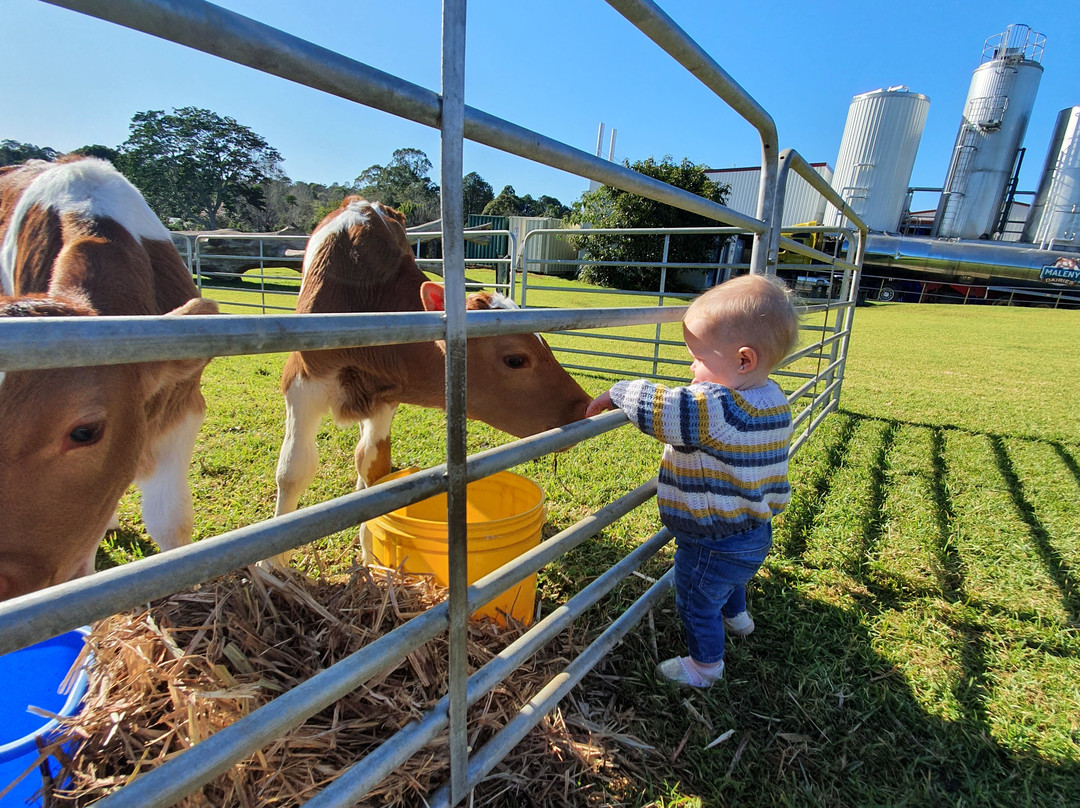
655	409
680	416
599	404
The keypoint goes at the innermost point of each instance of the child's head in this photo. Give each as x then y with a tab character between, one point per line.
751	310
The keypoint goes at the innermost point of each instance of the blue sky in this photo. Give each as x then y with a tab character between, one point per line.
558	67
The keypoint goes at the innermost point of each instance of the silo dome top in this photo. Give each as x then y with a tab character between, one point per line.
895	89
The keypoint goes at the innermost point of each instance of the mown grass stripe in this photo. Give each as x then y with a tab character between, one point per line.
811	474
905	562
948	558
1050	497
849	520
992	541
930	653
1034	705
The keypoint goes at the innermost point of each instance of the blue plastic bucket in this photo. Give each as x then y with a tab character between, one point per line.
32	677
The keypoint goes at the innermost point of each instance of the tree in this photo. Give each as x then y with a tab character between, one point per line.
195	165
12	152
476	193
508	203
293	205
97	150
404	183
552	208
611	207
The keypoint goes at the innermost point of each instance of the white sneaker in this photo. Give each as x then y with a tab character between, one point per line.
683	671
740	625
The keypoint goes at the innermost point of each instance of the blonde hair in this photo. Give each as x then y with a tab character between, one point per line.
757	309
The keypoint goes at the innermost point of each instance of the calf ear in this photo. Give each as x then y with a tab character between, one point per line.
395	213
433	296
156	376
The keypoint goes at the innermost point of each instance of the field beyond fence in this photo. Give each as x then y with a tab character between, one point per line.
918	637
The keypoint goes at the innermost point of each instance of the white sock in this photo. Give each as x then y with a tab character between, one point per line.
708	671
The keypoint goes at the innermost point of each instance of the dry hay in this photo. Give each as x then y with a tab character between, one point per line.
166	677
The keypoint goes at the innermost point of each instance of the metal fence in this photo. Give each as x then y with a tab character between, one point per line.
264	288
242	263
888	289
253	273
27	343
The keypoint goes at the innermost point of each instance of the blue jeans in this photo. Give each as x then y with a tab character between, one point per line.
710	584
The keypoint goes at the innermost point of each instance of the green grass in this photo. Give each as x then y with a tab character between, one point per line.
918	638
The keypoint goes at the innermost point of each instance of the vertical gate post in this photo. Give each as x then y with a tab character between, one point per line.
452	108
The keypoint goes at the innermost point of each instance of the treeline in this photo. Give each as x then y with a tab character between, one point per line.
203	171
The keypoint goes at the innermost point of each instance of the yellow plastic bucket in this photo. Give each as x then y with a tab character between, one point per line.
504	515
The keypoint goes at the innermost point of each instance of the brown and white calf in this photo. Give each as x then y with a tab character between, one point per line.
359	260
77	239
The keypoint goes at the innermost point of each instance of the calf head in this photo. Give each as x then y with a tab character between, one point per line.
71	444
514	381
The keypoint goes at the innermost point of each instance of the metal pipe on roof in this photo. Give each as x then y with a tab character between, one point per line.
978	260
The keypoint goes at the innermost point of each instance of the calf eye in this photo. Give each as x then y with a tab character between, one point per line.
86	434
516	361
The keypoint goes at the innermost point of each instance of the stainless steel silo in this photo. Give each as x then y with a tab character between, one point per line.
992	129
877	154
1055	214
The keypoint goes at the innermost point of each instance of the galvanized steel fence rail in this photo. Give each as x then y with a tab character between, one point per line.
887	289
216	270
27	343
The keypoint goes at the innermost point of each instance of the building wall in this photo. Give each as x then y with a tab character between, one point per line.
802	203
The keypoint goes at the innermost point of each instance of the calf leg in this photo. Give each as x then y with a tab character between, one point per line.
306	402
166	494
372	458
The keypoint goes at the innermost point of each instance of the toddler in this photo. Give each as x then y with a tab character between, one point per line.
723	474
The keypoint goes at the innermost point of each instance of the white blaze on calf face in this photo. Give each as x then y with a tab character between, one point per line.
499	301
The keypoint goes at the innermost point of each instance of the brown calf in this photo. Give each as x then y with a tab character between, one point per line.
358	260
77	239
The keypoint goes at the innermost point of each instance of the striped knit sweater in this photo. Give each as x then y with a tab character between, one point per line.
724	469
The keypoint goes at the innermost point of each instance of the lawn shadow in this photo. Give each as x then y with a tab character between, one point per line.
1057	567
798	519
1068	459
855	692
817	715
951	577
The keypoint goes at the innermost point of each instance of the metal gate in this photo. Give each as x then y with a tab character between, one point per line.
27	343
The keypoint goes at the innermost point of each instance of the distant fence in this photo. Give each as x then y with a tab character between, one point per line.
639	355
887	289
252	263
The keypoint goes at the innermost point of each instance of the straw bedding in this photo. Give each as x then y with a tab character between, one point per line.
172	674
